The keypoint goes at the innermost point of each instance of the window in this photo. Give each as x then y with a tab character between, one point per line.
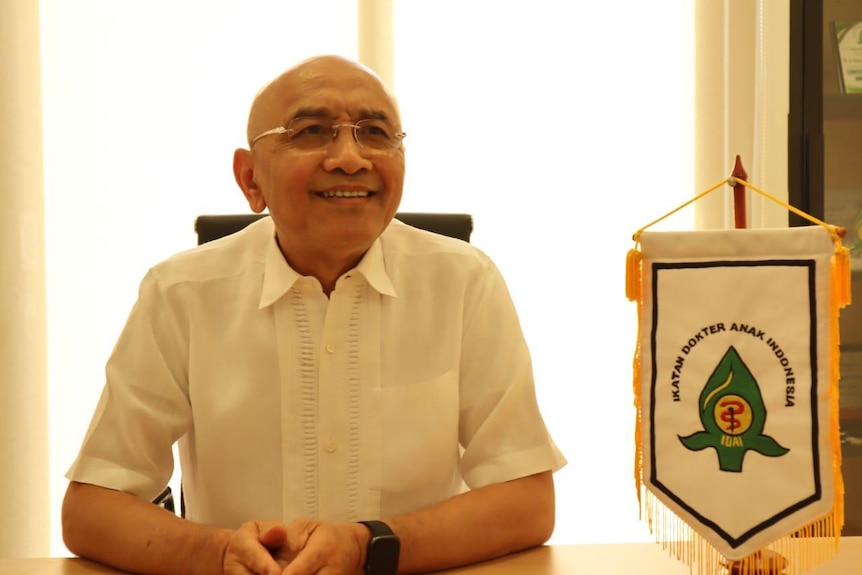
563	129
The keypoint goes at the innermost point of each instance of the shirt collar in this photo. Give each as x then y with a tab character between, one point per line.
279	277
373	267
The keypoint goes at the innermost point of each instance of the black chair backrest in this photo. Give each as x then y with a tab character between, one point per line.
460	226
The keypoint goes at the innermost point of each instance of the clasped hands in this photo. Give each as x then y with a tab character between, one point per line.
302	547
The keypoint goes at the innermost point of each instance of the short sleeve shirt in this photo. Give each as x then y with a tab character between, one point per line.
408	384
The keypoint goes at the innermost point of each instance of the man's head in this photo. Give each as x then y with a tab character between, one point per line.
329	197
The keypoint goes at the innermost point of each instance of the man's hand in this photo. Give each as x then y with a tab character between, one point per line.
317	548
254	548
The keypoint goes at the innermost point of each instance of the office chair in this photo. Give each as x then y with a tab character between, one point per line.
212	227
460	226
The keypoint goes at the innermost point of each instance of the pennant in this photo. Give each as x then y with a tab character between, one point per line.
736	389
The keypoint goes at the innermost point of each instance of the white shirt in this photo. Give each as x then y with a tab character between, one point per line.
411	380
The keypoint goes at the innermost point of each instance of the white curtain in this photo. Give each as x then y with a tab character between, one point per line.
742	102
23	378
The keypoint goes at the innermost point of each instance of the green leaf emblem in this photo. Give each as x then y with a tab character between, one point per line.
733	416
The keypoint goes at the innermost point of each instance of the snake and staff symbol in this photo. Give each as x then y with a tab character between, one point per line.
734	413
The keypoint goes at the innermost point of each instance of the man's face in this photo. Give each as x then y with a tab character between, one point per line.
332	201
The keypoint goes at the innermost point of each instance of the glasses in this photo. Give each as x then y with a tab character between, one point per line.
311	133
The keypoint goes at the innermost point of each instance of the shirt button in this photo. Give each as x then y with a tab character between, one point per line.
330	348
330	447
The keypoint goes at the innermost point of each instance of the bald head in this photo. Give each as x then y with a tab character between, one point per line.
273	103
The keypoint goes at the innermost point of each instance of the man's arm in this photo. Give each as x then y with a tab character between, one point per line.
129	533
477	525
471	527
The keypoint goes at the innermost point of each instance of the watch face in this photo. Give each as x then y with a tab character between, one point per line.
383	555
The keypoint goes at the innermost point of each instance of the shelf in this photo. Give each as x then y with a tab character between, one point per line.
842	107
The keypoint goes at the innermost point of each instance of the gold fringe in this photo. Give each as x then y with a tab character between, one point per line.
638	404
634	292
793	554
839	297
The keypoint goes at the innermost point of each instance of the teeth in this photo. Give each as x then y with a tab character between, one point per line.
344	194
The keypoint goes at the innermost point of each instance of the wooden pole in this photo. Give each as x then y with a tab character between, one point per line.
739	216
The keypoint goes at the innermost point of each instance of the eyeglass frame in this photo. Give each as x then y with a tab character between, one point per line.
399	136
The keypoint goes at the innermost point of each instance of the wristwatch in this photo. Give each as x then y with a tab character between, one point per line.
383	549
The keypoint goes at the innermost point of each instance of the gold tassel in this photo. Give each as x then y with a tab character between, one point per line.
841	276
633	274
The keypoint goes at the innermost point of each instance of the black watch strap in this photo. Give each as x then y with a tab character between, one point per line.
381	557
378	528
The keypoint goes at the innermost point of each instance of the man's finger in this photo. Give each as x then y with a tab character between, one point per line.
252	564
305	563
298	532
249	553
272	536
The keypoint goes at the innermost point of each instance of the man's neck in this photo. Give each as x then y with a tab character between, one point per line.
325	265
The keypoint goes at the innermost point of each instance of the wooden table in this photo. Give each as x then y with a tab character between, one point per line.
629	559
608	559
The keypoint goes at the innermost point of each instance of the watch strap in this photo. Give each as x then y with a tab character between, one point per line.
378	528
383	549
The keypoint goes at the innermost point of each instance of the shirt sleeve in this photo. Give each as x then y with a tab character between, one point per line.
144	406
501	428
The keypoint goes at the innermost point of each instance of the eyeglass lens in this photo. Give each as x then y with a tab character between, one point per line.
313	133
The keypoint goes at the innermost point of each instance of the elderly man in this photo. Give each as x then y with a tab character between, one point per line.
350	394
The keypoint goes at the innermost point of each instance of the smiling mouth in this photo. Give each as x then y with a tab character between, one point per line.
344	194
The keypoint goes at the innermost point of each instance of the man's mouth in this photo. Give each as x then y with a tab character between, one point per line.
343	194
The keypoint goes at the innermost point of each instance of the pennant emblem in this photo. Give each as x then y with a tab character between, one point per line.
733	415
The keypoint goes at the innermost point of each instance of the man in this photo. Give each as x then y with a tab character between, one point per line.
324	366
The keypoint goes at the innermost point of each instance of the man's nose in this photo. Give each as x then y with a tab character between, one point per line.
345	152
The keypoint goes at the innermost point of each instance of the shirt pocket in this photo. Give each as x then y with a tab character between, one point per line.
419	436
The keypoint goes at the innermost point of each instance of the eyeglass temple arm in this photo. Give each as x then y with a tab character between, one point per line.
278	130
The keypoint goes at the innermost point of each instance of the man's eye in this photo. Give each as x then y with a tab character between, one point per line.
374	131
311	130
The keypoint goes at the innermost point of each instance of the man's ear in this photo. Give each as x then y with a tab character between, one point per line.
243	173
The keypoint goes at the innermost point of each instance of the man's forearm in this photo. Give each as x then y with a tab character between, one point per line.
124	531
477	525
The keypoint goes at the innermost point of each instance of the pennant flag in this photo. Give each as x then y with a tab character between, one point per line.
736	389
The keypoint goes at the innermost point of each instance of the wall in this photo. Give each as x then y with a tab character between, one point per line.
24	509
